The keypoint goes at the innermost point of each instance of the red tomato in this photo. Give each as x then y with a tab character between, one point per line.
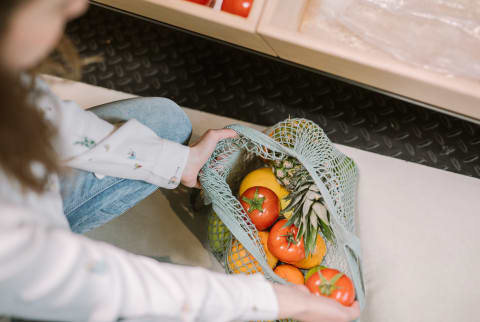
283	243
262	206
204	2
237	7
334	284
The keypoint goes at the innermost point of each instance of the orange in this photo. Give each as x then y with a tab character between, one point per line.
271	259
239	260
290	273
262	177
314	258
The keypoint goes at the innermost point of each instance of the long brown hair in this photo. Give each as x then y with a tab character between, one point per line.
25	136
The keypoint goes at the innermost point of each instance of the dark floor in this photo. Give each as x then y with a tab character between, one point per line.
153	60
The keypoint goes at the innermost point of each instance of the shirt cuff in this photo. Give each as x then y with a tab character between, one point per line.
262	300
171	162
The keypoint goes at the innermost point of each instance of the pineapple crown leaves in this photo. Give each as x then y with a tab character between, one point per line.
311	239
306	230
256	203
321	212
327	231
305	204
309	215
326	287
295	200
311	202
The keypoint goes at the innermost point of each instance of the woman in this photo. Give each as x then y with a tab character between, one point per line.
50	272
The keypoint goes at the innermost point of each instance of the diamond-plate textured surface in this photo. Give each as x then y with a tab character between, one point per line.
152	60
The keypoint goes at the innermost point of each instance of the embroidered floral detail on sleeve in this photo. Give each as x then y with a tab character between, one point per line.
132	155
137	166
86	142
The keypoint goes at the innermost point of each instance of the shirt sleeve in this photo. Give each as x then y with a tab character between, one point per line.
52	274
131	151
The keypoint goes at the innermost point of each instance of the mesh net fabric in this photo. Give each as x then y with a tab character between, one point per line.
334	174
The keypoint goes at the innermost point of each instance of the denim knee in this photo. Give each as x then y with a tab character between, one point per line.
179	125
161	115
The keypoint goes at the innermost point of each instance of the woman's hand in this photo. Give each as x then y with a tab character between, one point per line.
298	303
200	151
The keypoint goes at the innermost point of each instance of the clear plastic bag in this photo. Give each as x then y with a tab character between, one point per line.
439	35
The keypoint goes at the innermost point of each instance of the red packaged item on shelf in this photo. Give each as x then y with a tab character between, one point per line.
237	7
203	2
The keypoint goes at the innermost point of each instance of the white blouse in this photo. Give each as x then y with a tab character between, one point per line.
47	272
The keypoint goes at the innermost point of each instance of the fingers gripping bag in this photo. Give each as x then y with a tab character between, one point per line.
316	185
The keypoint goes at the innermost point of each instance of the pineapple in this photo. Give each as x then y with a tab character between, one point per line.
306	204
285	171
309	212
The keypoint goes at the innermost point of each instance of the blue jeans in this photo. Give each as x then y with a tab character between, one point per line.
89	202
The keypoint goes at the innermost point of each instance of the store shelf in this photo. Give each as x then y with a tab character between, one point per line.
201	19
281	27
